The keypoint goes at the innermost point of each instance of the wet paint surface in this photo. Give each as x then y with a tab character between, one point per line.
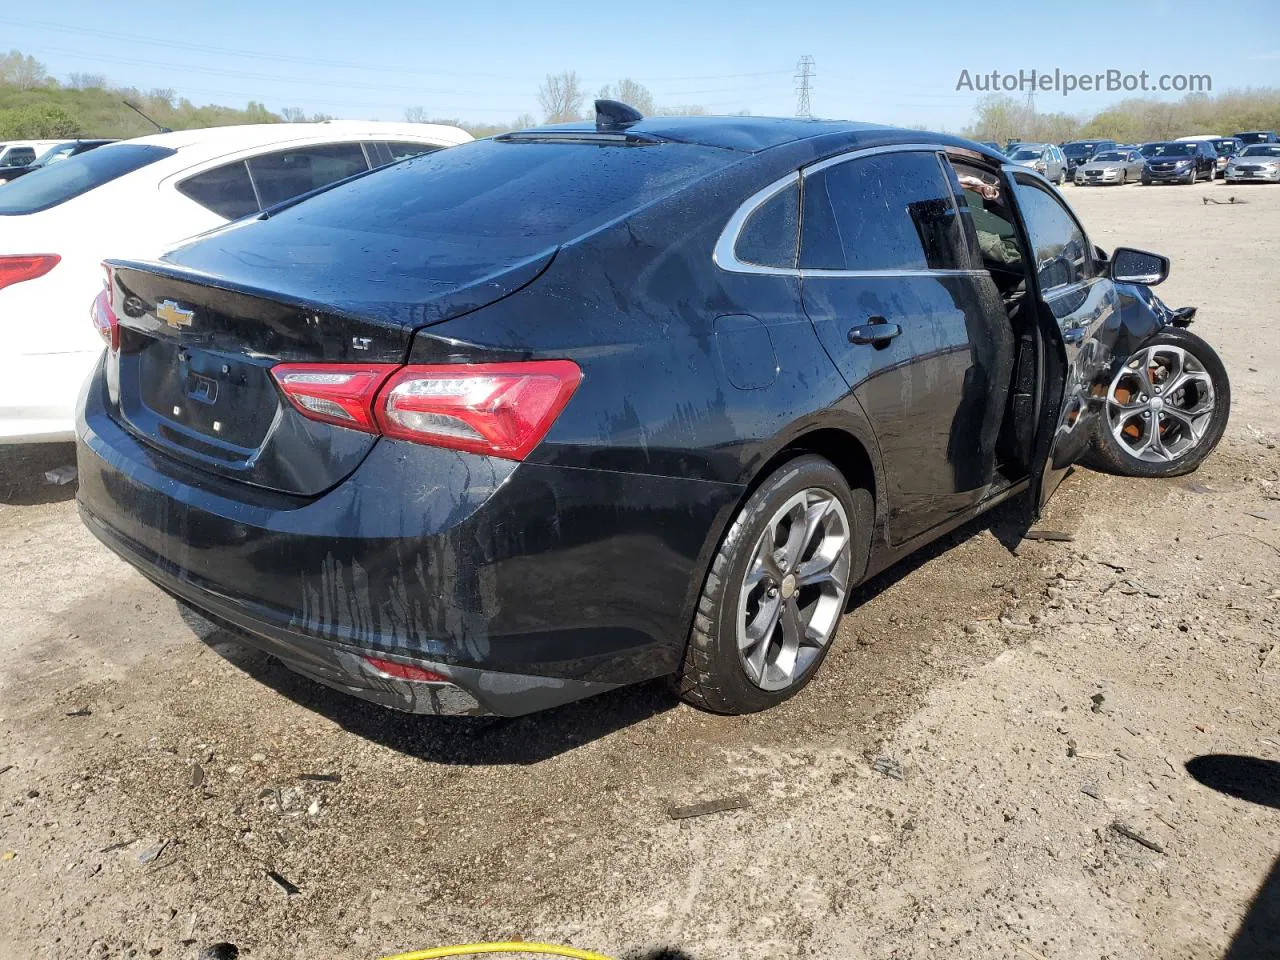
582	564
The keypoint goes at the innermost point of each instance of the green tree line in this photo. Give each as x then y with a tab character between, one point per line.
1135	120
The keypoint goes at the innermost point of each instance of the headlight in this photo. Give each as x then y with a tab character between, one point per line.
1039	167
1183	163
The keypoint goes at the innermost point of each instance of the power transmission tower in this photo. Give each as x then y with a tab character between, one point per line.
804	85
1031	103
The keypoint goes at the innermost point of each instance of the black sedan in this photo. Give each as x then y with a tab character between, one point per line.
531	418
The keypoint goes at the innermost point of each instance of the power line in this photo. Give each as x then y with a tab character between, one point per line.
323	62
804	81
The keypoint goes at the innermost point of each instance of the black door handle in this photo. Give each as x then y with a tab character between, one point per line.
877	332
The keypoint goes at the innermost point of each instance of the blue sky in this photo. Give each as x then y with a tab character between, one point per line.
889	62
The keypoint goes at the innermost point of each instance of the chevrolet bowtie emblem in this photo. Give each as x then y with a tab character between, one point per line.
175	316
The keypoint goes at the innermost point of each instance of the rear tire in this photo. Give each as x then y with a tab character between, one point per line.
1186	424
769	609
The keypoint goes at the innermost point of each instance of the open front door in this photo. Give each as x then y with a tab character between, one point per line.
1075	299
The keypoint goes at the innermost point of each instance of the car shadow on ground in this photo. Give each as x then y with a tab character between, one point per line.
22	473
1256	781
1008	523
461	741
540	736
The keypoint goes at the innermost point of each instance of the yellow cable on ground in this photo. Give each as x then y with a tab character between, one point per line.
470	949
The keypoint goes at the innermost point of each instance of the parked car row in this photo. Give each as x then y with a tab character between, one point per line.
1250	156
136	198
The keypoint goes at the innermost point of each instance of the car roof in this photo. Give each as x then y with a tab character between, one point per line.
246	136
753	134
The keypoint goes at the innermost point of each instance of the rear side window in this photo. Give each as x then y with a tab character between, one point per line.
288	173
398	150
67	179
770	236
517	198
226	190
892	211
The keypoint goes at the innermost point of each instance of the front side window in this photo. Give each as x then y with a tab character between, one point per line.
289	173
770	235
1061	250
890	211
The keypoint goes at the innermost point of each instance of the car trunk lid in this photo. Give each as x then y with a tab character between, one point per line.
192	375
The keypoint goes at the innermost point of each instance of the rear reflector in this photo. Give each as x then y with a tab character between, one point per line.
338	393
405	671
17	269
496	409
104	317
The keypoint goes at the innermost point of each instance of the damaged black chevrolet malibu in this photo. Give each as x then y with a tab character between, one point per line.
535	417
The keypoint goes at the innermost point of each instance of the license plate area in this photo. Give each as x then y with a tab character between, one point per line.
211	403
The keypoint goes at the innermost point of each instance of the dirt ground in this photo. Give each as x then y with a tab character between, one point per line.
1065	751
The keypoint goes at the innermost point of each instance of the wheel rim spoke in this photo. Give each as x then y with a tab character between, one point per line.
793	594
1160	418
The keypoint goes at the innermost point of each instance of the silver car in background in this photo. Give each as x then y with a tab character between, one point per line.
1044	158
1258	162
1110	167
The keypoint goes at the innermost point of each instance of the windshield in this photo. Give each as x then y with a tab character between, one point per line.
1023	154
1109	155
60	152
1261	150
1257	137
1173	150
1225	147
67	179
1077	151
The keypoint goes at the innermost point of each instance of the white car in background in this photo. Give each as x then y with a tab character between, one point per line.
135	199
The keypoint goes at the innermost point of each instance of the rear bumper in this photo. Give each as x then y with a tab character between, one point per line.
526	585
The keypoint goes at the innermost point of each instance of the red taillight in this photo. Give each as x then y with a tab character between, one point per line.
17	269
104	318
497	409
405	671
341	393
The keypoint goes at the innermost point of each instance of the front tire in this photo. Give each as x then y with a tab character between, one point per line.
1166	409
776	590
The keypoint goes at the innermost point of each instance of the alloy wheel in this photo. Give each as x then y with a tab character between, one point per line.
1160	403
793	594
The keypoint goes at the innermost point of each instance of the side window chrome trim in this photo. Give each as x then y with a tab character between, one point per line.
725	256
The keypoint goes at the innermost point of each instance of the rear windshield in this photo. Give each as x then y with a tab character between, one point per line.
528	196
62	181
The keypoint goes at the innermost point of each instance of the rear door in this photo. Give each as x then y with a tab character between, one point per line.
1078	321
911	323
